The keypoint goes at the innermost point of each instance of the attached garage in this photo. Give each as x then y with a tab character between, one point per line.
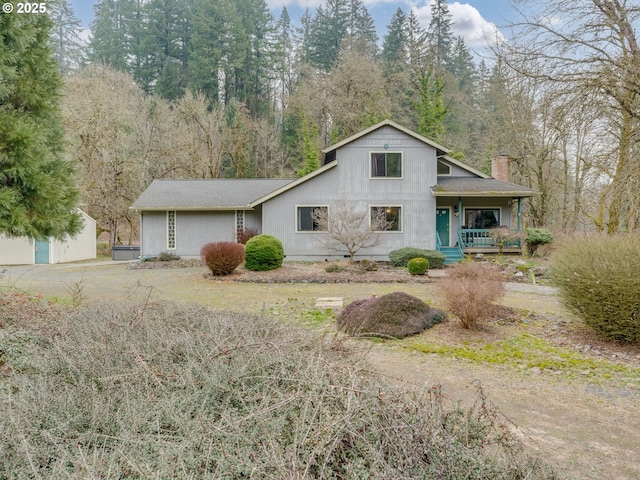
27	251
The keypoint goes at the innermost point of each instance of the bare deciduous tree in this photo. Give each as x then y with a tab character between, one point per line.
104	113
350	229
593	51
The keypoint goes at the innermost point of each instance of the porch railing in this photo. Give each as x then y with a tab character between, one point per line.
480	237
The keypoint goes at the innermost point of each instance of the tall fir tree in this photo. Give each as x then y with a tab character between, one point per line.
109	43
327	31
38	194
394	43
69	48
439	36
166	45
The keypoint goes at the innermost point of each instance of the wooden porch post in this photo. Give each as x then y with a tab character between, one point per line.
519	221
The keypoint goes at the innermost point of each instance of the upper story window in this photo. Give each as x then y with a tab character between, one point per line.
312	219
444	168
386	164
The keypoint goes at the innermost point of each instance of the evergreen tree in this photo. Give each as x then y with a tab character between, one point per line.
285	56
109	44
327	31
416	45
463	67
394	44
439	34
166	46
432	111
254	79
310	151
69	49
219	48
37	190
362	29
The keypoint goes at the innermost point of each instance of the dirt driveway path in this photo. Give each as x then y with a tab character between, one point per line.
587	431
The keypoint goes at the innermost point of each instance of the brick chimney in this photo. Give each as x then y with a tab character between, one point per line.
500	168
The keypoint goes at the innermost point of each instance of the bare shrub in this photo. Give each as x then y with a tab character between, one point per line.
350	229
246	234
222	258
395	315
469	291
130	390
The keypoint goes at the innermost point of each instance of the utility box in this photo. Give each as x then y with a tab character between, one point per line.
125	252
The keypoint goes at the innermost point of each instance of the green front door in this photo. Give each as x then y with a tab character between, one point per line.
42	251
442	225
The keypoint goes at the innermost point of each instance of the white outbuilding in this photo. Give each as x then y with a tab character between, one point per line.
27	251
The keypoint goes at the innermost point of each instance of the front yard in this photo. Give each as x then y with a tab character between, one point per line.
573	396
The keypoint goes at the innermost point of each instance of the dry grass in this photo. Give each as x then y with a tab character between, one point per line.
160	390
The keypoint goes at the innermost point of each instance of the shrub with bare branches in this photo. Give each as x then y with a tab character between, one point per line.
160	390
222	258
470	290
349	228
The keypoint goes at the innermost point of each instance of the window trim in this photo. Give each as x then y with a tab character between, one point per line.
483	207
296	210
171	218
385	177
400	218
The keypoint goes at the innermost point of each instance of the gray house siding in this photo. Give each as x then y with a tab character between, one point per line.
193	229
207	211
351	182
153	228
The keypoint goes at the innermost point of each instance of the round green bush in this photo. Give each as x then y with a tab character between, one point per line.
598	280
418	266
263	252
401	257
535	237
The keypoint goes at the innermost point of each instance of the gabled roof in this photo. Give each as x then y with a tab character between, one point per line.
217	194
386	123
292	184
478	187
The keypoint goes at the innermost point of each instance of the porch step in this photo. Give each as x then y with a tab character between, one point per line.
452	255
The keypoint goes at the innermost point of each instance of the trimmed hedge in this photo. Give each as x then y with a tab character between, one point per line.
222	258
401	257
263	252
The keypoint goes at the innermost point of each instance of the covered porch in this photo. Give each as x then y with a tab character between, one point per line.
478	215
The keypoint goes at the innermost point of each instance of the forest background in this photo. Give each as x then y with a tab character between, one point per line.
224	89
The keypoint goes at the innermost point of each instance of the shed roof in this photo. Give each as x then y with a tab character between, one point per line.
217	194
479	187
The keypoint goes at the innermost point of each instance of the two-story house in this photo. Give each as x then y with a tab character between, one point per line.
428	200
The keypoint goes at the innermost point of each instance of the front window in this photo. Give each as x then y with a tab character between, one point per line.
312	219
386	219
386	164
482	218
